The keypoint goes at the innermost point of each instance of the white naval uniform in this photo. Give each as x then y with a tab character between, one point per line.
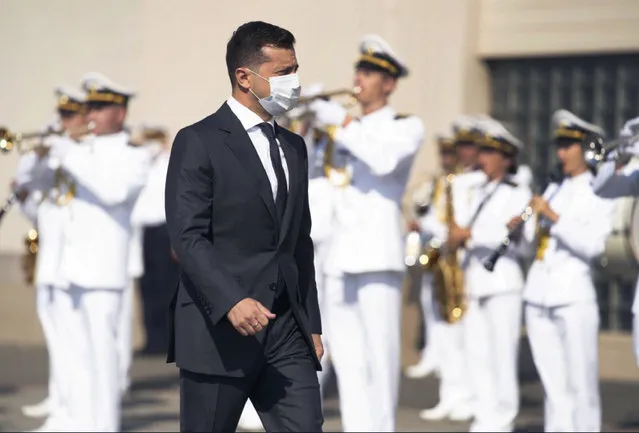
148	210
49	219
562	317
321	198
610	183
366	256
493	318
109	175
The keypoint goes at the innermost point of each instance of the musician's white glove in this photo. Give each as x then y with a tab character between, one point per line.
59	146
327	113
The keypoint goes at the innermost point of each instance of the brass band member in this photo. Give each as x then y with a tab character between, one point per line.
367	245
51	188
614	179
433	226
455	392
108	174
562	317
493	316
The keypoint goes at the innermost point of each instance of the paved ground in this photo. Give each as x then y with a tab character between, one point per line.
153	402
153	406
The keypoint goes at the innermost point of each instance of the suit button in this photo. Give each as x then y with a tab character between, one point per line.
272	286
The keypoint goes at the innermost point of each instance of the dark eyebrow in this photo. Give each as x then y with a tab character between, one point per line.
288	70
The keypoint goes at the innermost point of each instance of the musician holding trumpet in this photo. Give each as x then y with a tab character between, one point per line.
103	175
616	178
561	312
363	304
33	179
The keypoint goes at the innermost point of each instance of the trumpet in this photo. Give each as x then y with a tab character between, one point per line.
328	95
10	141
596	151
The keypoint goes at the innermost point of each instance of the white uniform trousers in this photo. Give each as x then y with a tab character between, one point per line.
47	310
320	279
125	336
492	332
90	328
433	327
363	327
564	343
455	388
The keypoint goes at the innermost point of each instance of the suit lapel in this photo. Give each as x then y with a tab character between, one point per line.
241	145
293	163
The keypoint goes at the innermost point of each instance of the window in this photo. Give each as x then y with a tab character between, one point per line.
600	89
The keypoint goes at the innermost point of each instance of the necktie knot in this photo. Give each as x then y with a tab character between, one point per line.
268	130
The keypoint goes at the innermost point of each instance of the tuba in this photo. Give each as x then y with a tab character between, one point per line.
448	278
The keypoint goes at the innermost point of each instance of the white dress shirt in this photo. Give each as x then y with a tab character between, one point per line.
250	122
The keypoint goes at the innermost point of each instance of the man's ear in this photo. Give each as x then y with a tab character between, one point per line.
389	84
243	78
122	114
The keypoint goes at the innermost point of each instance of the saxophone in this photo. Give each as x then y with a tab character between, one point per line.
448	278
30	256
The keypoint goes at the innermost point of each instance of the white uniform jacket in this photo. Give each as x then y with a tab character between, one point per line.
433	222
368	231
148	210
109	175
506	200
563	275
49	216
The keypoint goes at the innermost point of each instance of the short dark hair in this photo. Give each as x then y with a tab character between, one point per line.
245	46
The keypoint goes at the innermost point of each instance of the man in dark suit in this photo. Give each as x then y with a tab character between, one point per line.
245	317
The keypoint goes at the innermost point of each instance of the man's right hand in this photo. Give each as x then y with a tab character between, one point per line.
249	316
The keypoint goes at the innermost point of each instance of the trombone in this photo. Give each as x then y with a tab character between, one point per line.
19	142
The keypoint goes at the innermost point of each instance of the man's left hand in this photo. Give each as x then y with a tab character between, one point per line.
319	347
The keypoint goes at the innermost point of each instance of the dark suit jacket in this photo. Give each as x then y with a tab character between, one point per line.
223	227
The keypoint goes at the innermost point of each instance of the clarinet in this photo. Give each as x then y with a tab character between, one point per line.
7	205
489	263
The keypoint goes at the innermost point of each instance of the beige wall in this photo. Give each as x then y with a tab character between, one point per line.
173	53
541	27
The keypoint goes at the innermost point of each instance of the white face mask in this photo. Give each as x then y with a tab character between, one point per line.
285	92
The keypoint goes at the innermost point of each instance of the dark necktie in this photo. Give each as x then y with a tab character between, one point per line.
276	160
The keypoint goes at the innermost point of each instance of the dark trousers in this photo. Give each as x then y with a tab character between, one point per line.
161	274
283	387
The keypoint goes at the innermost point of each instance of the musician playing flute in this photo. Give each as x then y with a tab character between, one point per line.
493	316
562	316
